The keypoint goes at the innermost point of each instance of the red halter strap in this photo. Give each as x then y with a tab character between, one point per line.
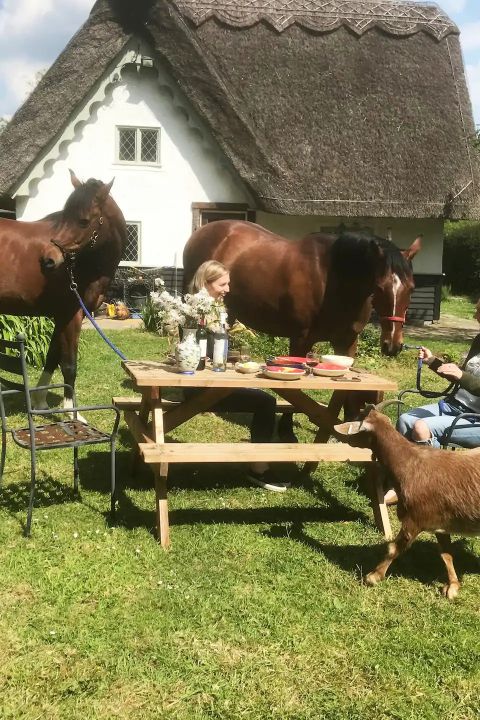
394	318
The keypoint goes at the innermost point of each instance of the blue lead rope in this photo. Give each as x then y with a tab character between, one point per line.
95	324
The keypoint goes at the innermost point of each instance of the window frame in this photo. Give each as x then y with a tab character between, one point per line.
138	262
138	146
221	211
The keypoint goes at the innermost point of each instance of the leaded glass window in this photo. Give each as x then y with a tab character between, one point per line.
138	145
132	249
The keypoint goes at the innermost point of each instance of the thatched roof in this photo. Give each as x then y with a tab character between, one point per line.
338	107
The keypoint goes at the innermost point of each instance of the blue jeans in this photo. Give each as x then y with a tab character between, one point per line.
438	417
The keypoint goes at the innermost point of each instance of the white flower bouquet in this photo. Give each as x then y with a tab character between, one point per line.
175	312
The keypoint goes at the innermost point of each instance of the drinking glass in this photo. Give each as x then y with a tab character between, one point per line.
312	360
245	355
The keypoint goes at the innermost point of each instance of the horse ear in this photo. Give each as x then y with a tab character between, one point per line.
414	248
75	181
105	190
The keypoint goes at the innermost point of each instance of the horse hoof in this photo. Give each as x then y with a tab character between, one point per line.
450	592
372	579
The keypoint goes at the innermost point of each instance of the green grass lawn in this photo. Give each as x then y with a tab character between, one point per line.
460	306
258	610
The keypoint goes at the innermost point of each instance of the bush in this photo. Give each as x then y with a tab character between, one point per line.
37	330
461	257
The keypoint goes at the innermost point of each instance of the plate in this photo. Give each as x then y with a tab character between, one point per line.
283	373
329	370
247	367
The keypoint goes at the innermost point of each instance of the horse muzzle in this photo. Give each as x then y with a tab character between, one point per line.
390	349
51	261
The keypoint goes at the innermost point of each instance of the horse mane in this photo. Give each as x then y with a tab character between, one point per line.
77	204
357	252
81	199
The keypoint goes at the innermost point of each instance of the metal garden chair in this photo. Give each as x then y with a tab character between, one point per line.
448	438
49	435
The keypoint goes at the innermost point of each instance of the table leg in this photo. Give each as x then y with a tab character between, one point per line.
160	472
375	475
149	395
324	432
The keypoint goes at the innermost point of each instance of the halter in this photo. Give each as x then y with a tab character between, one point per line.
394	318
92	240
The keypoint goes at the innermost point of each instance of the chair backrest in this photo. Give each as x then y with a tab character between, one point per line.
12	360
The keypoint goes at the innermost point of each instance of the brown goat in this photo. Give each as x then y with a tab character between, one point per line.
438	490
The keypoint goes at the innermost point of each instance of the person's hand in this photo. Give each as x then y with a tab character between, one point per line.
424	353
450	371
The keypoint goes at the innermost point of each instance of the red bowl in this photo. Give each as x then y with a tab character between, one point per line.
329	366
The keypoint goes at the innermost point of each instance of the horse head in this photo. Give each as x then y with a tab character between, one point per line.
391	297
79	224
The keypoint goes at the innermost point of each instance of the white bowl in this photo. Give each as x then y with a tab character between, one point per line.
328	372
247	367
342	360
276	373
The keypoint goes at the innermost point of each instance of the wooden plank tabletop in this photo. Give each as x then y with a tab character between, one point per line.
149	373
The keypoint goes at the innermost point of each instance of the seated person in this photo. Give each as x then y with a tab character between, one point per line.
427	423
215	278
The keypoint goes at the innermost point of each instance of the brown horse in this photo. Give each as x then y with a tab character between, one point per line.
322	287
36	261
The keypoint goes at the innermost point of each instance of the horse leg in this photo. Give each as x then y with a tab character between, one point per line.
39	397
68	339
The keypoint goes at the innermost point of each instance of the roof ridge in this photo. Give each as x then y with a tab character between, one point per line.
398	17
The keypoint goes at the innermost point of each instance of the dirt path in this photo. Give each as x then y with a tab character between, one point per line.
448	328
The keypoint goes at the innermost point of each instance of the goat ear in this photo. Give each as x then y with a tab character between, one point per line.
414	248
348	429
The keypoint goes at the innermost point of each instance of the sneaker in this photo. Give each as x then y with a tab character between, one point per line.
267	481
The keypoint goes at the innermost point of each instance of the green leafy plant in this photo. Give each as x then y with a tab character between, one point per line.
37	331
149	315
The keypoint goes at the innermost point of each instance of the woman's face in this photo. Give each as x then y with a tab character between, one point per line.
220	287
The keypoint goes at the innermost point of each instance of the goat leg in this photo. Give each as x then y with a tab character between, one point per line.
450	590
404	538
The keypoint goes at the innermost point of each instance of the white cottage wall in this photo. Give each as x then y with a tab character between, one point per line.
159	197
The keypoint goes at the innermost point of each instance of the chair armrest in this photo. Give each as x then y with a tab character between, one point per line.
447	436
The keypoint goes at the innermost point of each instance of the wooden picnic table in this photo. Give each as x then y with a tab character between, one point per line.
151	378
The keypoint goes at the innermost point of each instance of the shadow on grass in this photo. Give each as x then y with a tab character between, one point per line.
95	476
421	562
15	496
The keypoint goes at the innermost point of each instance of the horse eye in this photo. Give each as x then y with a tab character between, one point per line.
83	222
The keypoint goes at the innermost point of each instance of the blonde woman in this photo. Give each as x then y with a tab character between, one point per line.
215	279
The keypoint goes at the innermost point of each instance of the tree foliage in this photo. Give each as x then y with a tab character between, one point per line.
461	257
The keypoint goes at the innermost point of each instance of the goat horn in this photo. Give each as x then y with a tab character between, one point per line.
386	403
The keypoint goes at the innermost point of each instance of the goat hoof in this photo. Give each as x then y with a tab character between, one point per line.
372	578
450	592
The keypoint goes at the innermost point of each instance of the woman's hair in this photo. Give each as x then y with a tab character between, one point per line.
207	273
